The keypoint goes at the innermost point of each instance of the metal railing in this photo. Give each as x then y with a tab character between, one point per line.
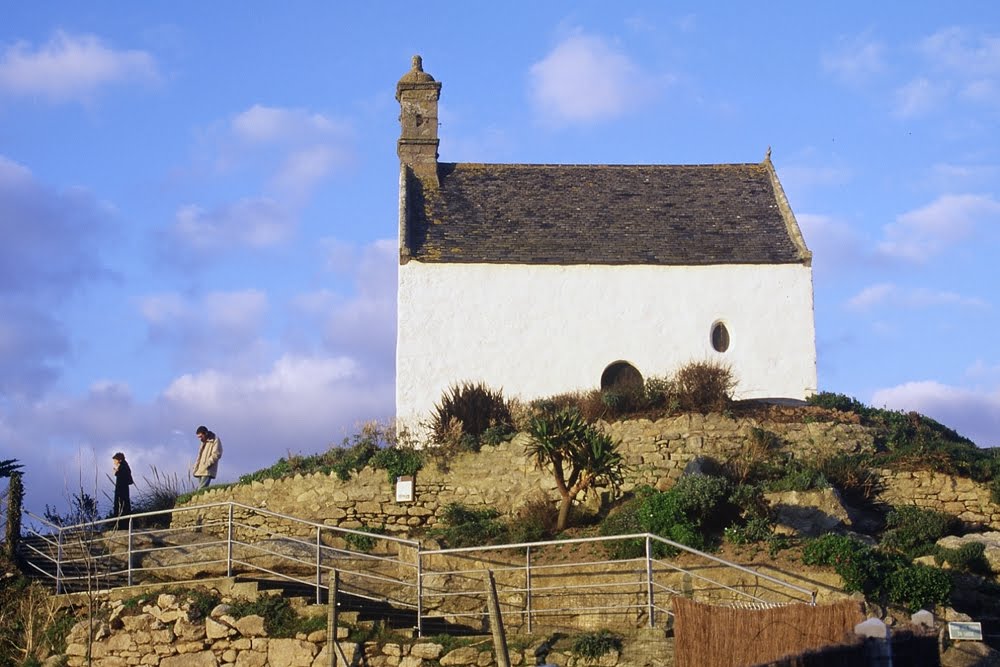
558	583
535	582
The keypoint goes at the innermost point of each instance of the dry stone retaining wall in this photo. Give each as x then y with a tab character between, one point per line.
504	477
169	634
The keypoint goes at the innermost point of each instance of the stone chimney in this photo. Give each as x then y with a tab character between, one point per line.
418	93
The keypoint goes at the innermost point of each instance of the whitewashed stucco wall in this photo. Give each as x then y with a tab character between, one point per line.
540	330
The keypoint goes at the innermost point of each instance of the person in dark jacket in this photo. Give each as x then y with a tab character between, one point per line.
123	480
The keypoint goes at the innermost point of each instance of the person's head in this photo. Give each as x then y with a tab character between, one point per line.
202	433
118	457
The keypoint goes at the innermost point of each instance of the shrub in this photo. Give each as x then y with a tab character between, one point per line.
917	586
280	619
661	392
364	543
625	521
475	406
796	476
398	461
970	557
755	454
914	530
535	521
852	477
593	645
704	386
757	529
468	527
831	549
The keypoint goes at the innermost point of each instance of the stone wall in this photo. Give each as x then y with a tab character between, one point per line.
960	496
504	477
168	633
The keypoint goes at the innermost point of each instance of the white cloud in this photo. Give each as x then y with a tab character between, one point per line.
918	97
834	243
71	67
922	233
973	413
302	170
585	80
855	60
870	296
261	124
251	223
963	52
921	297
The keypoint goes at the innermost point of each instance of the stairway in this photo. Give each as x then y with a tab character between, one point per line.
86	563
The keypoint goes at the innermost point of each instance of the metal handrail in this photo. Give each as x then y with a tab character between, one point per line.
410	582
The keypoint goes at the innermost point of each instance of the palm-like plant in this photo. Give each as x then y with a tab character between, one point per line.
579	456
8	467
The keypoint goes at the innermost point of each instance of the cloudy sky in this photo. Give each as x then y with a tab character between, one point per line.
198	200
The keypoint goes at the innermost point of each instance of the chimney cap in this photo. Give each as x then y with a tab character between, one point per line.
417	73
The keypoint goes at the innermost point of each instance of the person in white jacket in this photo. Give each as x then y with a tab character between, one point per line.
206	467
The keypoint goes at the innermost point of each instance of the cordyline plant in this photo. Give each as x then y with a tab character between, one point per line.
579	455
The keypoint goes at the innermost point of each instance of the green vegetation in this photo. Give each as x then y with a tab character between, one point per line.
593	645
469	415
913	531
579	455
469	527
364	543
911	441
696	512
879	575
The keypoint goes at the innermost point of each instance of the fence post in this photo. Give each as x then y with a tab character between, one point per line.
649	581
878	642
59	557
332	618
496	621
527	583
128	551
319	558
229	543
420	593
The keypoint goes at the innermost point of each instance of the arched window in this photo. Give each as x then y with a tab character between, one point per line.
621	375
720	337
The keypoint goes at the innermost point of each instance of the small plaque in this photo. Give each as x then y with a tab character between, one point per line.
965	630
404	489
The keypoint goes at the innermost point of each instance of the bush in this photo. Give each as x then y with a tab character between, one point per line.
625	521
831	549
364	543
796	476
970	557
917	586
593	645
661	392
280	619
704	386
468	527
398	462
754	456
850	474
914	530
757	529
535	521
475	407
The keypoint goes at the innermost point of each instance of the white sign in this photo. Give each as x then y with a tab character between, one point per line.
404	489
965	630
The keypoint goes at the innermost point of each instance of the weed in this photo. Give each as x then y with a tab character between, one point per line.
593	645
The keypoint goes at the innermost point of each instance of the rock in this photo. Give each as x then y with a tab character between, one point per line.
809	513
990	539
426	651
290	653
216	629
466	655
199	659
251	659
970	654
251	626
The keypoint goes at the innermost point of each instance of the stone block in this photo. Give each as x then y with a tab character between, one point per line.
291	652
426	651
251	626
199	659
465	655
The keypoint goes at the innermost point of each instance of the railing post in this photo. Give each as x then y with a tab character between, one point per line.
319	572
59	557
527	583
420	593
128	551
229	543
649	581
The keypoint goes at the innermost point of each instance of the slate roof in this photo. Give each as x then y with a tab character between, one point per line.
601	214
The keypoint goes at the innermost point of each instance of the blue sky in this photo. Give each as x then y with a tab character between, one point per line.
198	200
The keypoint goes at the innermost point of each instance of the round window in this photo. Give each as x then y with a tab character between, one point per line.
720	337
